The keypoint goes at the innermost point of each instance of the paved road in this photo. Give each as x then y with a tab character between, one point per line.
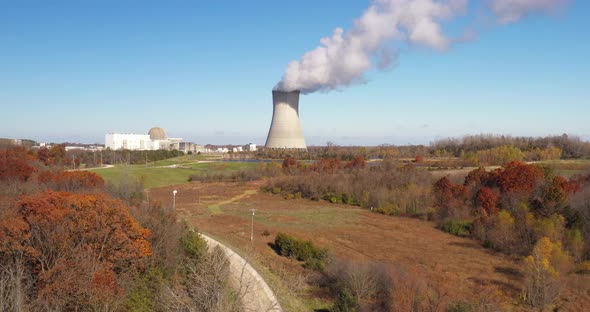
257	295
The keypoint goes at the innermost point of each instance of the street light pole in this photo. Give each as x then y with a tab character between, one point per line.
174	200
252	226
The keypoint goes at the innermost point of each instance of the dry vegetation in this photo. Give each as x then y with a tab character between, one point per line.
412	248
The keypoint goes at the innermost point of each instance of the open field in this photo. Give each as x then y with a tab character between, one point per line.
567	167
470	271
162	176
185	159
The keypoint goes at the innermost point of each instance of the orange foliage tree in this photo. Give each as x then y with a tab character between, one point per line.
71	181
78	246
14	164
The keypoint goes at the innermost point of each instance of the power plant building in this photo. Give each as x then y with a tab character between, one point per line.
156	139
285	129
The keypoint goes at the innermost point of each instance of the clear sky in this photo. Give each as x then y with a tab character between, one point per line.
204	70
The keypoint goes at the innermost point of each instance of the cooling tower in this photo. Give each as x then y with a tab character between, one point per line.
285	128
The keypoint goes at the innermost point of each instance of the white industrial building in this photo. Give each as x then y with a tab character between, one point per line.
156	139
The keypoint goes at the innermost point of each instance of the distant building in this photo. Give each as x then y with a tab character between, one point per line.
156	139
191	147
250	147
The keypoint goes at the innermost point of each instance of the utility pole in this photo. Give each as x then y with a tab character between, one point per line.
101	158
174	200
252	226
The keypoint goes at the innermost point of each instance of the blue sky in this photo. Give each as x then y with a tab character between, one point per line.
204	70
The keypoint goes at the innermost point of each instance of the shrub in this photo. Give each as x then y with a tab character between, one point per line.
345	302
334	198
389	209
144	289
288	246
265	233
193	245
276	190
458	228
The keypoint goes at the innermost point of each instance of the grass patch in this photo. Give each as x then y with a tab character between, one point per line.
152	177
215	209
157	177
567	167
184	159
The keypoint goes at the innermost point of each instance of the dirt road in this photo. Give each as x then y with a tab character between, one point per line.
257	296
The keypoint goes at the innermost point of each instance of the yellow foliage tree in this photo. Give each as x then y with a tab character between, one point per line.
542	272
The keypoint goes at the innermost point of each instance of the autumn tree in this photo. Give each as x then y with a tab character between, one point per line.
15	164
356	163
326	165
488	201
477	178
518	177
542	271
71	181
84	242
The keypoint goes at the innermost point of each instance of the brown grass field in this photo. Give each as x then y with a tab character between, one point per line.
467	270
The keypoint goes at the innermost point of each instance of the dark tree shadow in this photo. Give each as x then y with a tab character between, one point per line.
465	244
511	273
506	287
275	248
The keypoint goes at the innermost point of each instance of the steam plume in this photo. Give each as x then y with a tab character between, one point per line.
343	58
509	11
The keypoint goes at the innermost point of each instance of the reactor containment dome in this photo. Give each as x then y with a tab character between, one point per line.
285	129
157	133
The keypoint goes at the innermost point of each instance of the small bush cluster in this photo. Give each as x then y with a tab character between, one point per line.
458	228
313	256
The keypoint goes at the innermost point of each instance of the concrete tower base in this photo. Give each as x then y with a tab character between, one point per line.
285	130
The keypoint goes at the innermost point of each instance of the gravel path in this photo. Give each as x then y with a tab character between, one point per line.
257	295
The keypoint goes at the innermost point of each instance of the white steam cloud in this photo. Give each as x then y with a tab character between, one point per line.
510	11
343	58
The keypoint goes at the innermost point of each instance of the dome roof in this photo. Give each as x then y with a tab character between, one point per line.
157	133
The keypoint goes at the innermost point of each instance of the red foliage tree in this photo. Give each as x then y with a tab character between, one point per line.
356	163
14	164
326	165
44	155
487	199
518	177
443	191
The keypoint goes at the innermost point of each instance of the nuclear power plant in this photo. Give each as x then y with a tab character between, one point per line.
285	129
